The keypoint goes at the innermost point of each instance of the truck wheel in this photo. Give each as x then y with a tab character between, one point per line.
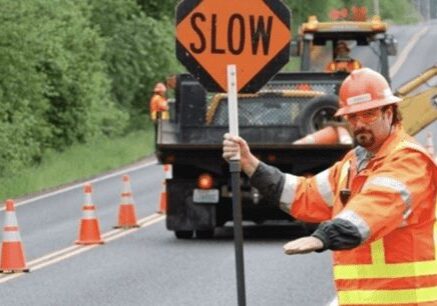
183	234
316	113
204	234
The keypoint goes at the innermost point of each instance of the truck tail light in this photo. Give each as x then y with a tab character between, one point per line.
205	181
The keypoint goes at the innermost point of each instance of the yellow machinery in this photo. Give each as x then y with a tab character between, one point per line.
419	107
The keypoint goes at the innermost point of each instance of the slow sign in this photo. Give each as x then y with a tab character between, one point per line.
254	35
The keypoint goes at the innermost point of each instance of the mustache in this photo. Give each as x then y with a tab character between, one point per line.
362	130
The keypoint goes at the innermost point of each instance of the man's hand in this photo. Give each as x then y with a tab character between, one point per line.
232	146
303	245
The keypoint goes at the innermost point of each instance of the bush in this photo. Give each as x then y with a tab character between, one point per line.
139	50
54	88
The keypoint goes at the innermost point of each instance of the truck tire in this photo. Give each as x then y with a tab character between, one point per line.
204	234
316	113
184	234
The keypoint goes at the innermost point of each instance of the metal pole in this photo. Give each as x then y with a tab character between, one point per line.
235	169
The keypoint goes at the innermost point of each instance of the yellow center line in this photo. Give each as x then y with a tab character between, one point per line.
71	251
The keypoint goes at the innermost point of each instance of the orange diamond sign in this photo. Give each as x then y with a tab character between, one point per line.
254	35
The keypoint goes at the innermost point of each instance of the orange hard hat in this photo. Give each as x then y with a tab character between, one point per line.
160	87
364	89
341	45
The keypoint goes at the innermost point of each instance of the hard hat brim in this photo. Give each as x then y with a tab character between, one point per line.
355	108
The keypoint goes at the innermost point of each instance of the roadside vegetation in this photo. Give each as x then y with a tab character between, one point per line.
76	78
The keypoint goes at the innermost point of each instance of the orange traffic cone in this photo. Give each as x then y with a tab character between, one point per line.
327	135
168	171
344	136
12	258
126	213
429	144
89	232
163	200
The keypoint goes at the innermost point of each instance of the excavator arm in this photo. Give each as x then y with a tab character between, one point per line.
418	109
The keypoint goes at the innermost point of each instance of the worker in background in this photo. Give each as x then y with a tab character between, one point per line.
158	103
376	207
342	61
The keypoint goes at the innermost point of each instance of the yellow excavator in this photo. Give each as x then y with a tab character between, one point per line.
419	105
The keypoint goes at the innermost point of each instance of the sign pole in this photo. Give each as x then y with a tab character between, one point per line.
235	169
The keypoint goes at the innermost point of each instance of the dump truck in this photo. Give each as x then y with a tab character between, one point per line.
199	195
289	107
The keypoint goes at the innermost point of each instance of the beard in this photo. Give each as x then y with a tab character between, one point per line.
364	138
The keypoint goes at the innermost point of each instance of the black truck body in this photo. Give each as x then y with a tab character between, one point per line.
269	120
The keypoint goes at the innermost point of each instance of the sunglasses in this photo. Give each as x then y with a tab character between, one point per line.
366	117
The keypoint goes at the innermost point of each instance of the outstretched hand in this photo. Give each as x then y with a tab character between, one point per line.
303	245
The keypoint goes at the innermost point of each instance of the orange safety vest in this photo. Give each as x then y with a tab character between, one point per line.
393	205
346	66
158	104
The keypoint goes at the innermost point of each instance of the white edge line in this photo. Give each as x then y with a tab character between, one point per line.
334	302
75	250
406	51
101	178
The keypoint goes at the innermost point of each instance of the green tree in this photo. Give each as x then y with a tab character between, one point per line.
139	50
54	88
158	9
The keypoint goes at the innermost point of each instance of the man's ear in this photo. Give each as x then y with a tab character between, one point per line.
389	113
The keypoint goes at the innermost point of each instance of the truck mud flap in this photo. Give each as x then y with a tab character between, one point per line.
182	213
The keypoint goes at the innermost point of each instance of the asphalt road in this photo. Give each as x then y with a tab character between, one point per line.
148	266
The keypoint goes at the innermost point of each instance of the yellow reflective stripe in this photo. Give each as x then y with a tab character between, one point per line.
420	268
393	297
377	251
344	171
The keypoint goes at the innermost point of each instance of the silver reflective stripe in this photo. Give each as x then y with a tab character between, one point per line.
88	214
355	219
397	186
11	236
10	218
324	187
288	192
127	200
88	200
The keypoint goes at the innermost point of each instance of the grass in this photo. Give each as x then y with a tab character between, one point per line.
80	161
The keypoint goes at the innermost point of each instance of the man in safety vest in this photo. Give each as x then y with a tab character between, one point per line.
376	207
342	62
158	103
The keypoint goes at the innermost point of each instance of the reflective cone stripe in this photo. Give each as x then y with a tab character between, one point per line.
12	255
344	136
89	231
430	144
126	213
168	170
163	200
327	135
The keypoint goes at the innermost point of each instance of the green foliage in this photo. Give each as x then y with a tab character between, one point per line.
398	11
78	162
159	9
139	50
53	89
